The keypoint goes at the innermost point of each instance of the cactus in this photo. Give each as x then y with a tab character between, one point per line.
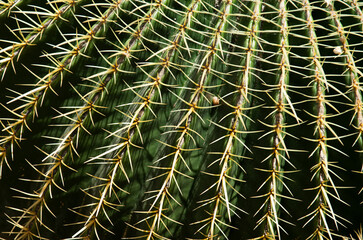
194	119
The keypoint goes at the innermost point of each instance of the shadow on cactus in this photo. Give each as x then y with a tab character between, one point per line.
194	119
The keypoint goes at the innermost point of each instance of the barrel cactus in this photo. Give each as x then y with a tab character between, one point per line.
181	119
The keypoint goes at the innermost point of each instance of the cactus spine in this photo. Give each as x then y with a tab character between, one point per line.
171	119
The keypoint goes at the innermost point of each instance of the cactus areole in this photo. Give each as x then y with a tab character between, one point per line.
181	119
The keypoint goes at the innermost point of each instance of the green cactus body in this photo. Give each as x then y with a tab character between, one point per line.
195	119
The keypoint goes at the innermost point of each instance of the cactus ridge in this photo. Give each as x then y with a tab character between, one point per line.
170	119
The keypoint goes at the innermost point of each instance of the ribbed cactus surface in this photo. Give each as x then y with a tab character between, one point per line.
181	119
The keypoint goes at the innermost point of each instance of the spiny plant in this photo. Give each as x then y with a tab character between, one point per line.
181	119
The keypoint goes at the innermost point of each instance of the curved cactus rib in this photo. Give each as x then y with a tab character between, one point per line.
131	45
223	188
31	228
354	73
160	197
322	170
183	86
15	126
135	115
81	113
36	29
275	183
49	81
66	143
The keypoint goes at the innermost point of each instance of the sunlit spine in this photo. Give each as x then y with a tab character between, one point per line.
160	197
276	181
54	161
136	116
34	98
322	170
32	33
223	187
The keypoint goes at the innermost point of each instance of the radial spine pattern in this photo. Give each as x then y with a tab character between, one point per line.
181	119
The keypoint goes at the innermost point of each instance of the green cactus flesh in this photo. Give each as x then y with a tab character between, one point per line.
181	119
